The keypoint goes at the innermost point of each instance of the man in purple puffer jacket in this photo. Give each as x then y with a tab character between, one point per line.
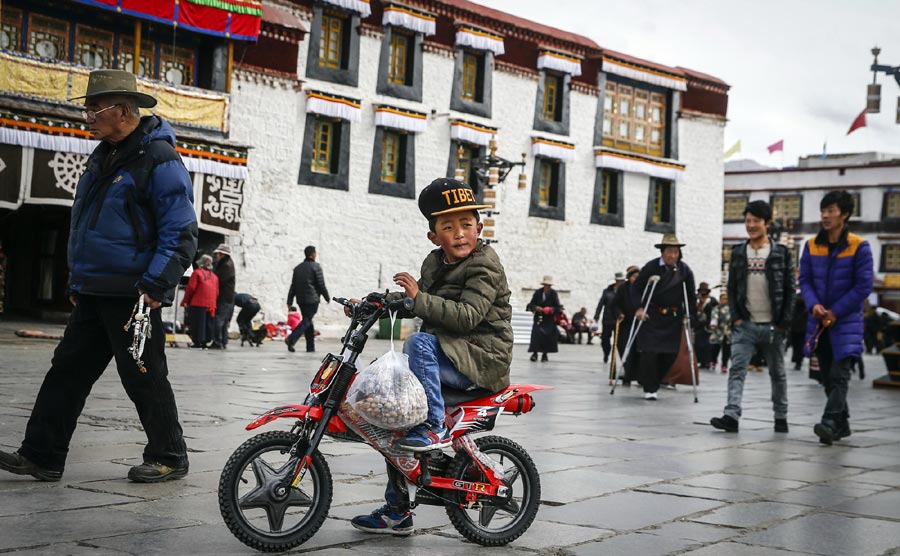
836	275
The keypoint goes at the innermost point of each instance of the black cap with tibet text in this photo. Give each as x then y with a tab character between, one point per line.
445	195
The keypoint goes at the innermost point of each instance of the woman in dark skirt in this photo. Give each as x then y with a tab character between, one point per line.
544	304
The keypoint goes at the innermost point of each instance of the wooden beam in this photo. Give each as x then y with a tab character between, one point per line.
229	67
136	63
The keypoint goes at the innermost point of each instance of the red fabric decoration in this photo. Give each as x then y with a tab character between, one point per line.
859	122
779	146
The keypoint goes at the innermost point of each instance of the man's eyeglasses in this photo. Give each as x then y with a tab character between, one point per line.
92	114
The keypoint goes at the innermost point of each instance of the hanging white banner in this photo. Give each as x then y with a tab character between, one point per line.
553	149
665	169
471	133
78	145
400	16
644	74
395	118
479	40
559	62
336	107
360	6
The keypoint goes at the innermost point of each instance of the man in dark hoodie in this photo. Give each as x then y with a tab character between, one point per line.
307	284
133	233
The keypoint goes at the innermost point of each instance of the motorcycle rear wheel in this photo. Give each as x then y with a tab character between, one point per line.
498	521
254	505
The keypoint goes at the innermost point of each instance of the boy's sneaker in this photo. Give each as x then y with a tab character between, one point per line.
383	521
19	465
422	438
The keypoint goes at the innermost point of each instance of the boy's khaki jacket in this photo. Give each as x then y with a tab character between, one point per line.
466	305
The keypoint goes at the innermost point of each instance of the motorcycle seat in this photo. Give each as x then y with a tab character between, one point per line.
453	396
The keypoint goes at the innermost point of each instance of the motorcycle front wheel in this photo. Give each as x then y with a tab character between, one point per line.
256	506
496	521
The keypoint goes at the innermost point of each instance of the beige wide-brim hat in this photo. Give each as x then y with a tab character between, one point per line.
547	281
669	240
223	248
116	82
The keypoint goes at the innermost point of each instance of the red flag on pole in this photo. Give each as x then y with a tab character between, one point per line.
779	146
859	122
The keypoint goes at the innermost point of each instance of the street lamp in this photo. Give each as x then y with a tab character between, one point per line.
873	91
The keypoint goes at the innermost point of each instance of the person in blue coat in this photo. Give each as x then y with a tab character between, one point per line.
836	276
133	233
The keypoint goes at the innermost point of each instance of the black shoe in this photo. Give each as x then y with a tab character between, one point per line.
824	432
842	431
606	358
544	358
781	425
534	356
290	346
18	465
725	423
216	345
148	472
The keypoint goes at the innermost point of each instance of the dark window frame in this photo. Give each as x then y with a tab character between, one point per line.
882	267
561	126
781	218
405	189
738	219
666	226
414	71
340	179
348	73
553	212
472	179
485	86
884	206
616	218
672	99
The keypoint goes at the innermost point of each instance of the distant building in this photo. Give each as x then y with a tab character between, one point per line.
795	193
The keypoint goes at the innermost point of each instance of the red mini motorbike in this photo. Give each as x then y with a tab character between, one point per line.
275	490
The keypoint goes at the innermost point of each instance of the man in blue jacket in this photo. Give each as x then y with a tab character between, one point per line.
133	233
836	275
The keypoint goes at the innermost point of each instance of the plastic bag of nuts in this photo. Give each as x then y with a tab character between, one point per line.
388	395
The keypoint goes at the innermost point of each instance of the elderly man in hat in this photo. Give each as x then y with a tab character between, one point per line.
224	269
133	233
606	308
760	299
659	338
544	336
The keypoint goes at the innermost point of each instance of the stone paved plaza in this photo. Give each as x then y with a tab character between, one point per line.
619	475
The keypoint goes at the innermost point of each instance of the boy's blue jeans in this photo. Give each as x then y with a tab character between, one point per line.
432	367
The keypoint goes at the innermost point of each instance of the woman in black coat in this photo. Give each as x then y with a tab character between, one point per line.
659	338
544	304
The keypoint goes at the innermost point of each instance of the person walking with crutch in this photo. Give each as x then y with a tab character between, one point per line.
625	309
659	337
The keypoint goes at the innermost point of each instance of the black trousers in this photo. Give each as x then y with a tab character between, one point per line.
797	340
94	336
653	367
836	380
245	317
606	338
307	312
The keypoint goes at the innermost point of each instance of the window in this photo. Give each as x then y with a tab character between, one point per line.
324	160
400	69
399	59
126	56
608	205
890	257
856	205
48	37
333	54
661	206
548	189
472	82
331	41
470	77
176	65
10	29
634	119
786	208
734	208
93	47
553	97
891	204
323	143
461	156
393	163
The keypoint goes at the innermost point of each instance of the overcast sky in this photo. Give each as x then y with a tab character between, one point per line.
798	69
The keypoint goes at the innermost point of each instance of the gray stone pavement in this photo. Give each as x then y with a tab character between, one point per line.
619	475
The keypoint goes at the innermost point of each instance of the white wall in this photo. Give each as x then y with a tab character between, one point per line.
361	237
